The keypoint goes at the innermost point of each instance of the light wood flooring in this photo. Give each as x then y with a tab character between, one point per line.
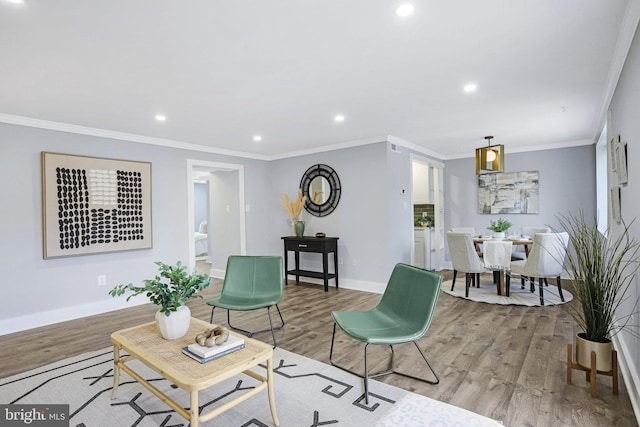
504	362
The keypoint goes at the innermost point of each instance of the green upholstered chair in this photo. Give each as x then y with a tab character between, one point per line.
403	315
251	283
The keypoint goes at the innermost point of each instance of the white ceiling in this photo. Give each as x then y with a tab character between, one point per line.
224	71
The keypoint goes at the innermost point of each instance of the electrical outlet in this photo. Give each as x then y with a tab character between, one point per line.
340	260
355	262
102	280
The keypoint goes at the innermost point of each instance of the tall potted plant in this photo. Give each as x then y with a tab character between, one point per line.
602	268
170	290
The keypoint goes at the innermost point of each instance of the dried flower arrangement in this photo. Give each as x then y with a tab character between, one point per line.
293	208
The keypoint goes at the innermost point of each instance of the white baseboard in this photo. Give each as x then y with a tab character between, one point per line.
629	372
22	323
356	285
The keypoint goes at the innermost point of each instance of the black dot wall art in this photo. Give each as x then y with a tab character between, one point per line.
92	205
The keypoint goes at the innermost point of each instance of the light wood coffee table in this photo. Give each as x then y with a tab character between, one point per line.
145	344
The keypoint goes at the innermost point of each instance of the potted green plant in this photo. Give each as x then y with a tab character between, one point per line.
169	290
499	228
602	269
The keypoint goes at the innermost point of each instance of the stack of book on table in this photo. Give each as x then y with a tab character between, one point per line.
205	354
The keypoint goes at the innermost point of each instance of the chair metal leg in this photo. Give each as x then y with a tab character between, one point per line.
453	283
366	375
541	289
250	333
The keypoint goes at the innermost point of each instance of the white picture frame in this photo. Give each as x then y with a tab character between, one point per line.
621	162
92	205
616	212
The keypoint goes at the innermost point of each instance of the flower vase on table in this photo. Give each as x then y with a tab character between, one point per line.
299	228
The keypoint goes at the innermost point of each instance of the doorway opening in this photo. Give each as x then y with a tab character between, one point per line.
216	214
427	198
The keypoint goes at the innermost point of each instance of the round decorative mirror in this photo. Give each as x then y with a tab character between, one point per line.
321	185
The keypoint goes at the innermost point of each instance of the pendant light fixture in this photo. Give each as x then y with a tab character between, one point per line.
489	159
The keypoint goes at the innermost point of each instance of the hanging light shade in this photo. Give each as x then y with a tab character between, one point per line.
489	159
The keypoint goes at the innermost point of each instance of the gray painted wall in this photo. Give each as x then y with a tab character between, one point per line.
38	291
567	184
363	220
200	202
225	225
625	106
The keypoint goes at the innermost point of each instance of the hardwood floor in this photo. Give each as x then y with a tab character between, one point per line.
505	362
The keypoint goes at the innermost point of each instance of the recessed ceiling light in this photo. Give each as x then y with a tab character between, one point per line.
257	138
161	117
338	118
404	9
471	87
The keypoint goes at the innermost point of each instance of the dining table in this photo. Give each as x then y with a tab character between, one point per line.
497	257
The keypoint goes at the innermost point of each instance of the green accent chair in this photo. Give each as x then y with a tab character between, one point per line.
251	283
403	315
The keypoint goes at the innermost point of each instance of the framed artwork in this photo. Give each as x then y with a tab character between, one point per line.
621	162
92	205
615	204
508	193
613	153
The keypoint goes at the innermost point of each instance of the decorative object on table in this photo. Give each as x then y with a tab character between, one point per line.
92	205
603	268
321	186
207	353
489	159
170	290
320	235
499	228
299	228
293	208
508	193
216	336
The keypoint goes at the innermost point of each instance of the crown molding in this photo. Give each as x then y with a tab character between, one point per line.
626	34
554	146
332	147
84	130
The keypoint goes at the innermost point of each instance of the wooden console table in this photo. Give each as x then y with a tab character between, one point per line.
323	245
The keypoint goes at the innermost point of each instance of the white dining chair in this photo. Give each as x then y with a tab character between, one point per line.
471	231
545	260
464	259
519	251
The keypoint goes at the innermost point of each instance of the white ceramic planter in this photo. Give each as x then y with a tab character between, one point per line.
175	325
584	349
499	235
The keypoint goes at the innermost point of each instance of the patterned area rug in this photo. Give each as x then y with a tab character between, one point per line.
308	393
487	292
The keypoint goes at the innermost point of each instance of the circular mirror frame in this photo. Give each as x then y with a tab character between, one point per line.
331	176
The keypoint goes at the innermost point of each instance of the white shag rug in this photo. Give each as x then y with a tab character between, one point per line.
487	293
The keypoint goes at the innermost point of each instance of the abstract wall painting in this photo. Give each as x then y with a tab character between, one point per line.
92	205
508	193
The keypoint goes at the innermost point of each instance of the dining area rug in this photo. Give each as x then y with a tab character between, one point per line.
308	393
487	293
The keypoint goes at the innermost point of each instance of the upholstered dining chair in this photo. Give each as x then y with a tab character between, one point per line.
519	251
472	231
546	259
403	315
465	259
251	283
